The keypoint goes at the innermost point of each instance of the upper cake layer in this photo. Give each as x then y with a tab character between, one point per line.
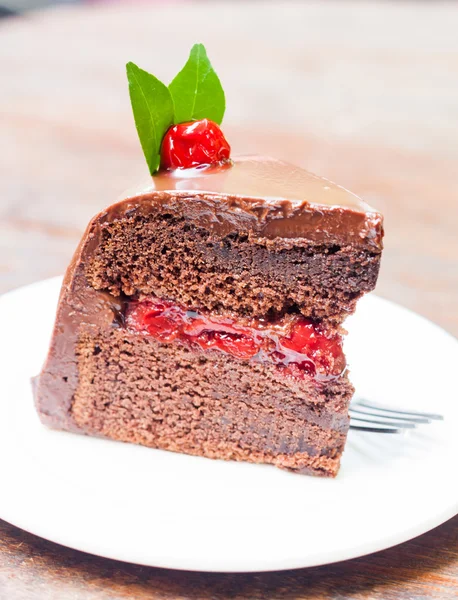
257	238
265	196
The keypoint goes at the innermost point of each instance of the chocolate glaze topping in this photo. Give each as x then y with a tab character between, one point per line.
261	195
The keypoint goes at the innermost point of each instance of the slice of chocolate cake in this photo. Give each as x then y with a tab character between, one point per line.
202	314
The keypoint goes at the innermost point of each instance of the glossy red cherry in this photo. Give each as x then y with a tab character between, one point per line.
303	337
193	144
153	318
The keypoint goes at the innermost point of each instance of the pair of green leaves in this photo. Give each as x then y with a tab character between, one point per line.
195	93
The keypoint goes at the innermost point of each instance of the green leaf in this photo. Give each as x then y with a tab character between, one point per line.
197	91
152	106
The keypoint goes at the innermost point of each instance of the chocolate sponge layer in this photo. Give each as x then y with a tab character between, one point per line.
251	276
170	396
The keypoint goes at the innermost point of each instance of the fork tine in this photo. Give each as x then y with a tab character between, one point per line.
383	414
411	413
399	424
375	429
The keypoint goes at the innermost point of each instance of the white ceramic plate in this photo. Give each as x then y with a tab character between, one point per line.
169	510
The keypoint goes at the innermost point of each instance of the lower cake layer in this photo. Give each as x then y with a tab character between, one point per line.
134	388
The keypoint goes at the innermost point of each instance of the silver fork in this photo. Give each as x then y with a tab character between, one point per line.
369	416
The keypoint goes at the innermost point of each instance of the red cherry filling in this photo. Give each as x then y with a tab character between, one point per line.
194	144
294	343
239	345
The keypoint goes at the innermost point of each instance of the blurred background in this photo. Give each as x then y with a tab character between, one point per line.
362	92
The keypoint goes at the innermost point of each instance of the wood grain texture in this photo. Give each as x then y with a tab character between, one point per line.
31	568
364	93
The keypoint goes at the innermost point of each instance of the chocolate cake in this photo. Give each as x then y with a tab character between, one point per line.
203	313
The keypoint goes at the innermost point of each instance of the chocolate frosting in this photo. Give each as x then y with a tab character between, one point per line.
259	196
263	196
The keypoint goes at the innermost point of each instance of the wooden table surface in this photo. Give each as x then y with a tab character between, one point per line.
364	93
